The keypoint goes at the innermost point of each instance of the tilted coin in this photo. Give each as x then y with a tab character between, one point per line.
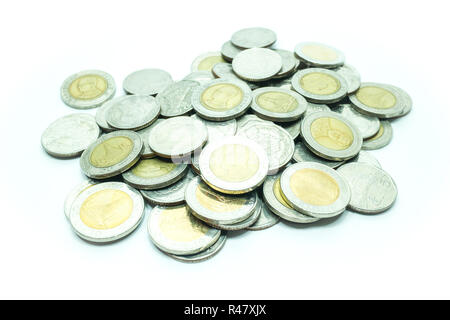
319	85
275	201
293	128
175	99
229	51
214	207
351	75
257	64
87	89
206	61
175	230
107	212
373	190
111	154
331	136
315	189
266	219
177	137
365	157
221	99
407	101
71	197
319	55
147	152
70	135
248	119
218	129
284	83
381	139
253	38
303	154
155	173
147	82
225	71
314	107
234	165
100	115
289	63
132	112
205	254
200	76
368	126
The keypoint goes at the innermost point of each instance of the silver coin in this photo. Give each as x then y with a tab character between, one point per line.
274	199
107	212
284	83
289	63
278	104
155	173
315	189
276	141
331	136
147	82
221	99
234	165
366	157
132	112
213	207
368	126
177	137
70	135
253	38
218	130
111	154
200	76
206	61
257	64
319	85
351	75
293	128
373	190
175	230
205	254
175	99
248	119
147	152
171	195
319	55
225	71
303	154
381	139
100	116
70	199
407	102
195	162
379	100
314	107
87	89
229	51
266	219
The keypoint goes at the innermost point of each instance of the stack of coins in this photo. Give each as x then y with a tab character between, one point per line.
253	135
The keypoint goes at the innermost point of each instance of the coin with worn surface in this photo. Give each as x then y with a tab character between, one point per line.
319	55
373	190
289	63
257	64
87	89
275	201
221	99
253	38
234	165
278	104
212	206
147	152
366	157
70	135
319	85
200	76
147	82
177	137
155	173
206	61
107	212
331	136
225	71
74	194
315	189
175	99
175	230
229	51
205	254
351	75
266	219
111	154
381	139
303	154
132	112
407	102
368	126
100	116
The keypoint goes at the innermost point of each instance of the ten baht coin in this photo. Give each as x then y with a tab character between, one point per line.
368	126
147	82
407	101
175	99
257	64
266	219
205	254
206	61
256	37
381	139
319	55
303	154
71	197
147	152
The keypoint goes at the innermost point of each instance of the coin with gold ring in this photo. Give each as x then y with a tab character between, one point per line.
71	197
147	152
381	138
319	55
206	61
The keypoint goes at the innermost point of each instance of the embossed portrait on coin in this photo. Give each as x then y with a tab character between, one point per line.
88	87
179	225
111	152
331	133
277	102
222	97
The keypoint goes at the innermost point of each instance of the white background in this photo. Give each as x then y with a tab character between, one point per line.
403	253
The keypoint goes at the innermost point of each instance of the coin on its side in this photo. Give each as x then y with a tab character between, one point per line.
256	37
229	51
257	64
289	63
319	55
407	102
71	197
381	139
147	152
368	126
373	190
87	89
225	71
266	219
70	135
351	75
303	154
175	99
107	212
206	61
365	157
200	76
205	254
147	82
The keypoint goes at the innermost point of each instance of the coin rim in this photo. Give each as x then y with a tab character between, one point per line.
244	46
273	220
251	76
329	163
339	61
382	141
203	56
202	255
126	87
372	119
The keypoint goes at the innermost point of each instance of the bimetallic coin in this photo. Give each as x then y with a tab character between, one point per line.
275	201
175	99
278	104
315	189
107	212
381	139
373	190
147	82
253	38
87	89
147	152
225	71
266	219
319	55
155	173
229	51
70	135
206	61
289	63
218	130
331	136
175	230
303	154
257	64
351	75
200	76
407	101
74	194
100	116
368	126
221	99
132	112
205	254
234	165
111	154
319	85
365	157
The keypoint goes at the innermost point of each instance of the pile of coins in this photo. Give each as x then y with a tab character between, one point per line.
252	135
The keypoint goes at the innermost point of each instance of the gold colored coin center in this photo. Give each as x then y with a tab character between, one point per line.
331	133
279	194
276	101
376	97
179	225
217	202
320	83
319	52
222	97
88	87
153	168
208	63
111	152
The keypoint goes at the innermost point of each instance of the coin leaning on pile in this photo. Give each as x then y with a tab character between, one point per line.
253	135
